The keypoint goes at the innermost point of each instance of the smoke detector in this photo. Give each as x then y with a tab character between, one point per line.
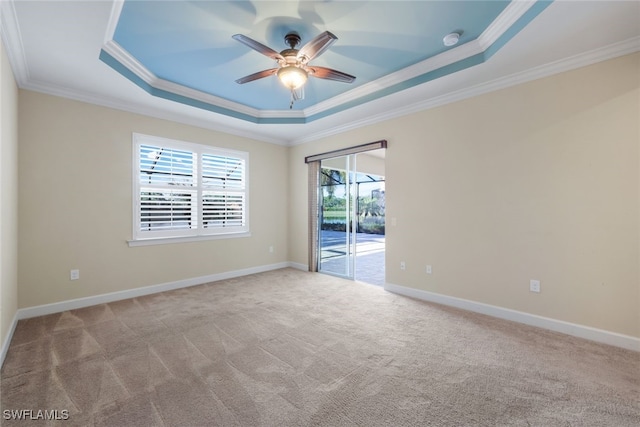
451	39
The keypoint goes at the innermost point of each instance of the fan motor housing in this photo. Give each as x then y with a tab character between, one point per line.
289	52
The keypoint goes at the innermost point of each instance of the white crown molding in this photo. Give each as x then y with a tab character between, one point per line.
12	40
510	15
582	60
609	52
435	62
10	32
136	67
159	113
129	62
514	11
116	10
443	59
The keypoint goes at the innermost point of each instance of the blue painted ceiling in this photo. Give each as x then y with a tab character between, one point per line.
189	44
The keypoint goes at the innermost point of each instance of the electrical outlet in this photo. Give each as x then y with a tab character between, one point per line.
271	249
403	266
534	286
429	269
74	274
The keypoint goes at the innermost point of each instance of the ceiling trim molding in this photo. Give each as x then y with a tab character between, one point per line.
128	66
582	60
130	62
515	17
511	14
158	113
124	58
452	60
588	58
176	92
116	10
434	63
12	40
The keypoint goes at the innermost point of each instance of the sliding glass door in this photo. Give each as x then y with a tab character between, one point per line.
345	203
337	223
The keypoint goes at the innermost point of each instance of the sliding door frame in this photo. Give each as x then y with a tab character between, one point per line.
314	193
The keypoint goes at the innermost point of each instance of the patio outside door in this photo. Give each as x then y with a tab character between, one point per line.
337	239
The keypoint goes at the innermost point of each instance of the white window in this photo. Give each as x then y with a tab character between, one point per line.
184	190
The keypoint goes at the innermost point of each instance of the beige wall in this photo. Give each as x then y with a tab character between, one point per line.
538	181
8	196
75	203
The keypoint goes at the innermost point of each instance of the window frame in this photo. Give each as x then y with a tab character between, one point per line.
199	188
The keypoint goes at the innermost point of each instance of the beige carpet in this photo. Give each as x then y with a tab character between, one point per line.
289	348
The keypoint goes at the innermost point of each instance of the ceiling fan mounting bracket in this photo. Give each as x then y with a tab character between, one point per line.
292	39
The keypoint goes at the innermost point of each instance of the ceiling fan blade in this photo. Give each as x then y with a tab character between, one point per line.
329	74
316	46
256	76
259	47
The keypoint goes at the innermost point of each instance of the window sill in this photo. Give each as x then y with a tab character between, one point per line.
186	239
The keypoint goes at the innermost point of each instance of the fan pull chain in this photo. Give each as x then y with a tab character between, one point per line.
292	100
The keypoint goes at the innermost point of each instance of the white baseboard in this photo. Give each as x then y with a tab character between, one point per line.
57	307
7	340
611	338
586	332
298	266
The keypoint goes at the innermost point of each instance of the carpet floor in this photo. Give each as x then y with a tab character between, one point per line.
290	348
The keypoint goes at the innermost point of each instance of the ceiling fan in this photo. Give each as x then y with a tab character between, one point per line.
293	64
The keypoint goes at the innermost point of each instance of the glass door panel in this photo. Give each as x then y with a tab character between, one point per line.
337	219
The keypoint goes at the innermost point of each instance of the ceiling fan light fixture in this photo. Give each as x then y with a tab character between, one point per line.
292	77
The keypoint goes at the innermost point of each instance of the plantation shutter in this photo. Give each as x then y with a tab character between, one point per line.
223	196
168	198
184	190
